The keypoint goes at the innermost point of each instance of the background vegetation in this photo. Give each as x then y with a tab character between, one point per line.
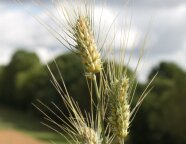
160	120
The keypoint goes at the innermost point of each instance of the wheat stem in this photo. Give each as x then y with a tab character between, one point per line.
101	128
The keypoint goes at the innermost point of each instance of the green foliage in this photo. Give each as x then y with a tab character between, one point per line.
166	70
163	112
13	76
31	85
1	82
23	61
25	79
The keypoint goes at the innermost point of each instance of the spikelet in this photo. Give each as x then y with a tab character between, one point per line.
87	46
88	135
119	109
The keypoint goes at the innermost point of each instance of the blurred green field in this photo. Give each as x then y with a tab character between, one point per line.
16	120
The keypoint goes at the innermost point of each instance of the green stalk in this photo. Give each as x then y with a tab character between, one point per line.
101	128
122	142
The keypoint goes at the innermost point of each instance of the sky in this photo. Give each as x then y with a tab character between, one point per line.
163	20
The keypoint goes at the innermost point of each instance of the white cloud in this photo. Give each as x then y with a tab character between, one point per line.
5	55
166	42
20	30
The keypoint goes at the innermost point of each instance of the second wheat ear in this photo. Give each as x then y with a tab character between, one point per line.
119	114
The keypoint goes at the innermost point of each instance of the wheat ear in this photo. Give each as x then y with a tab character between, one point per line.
119	108
87	46
88	135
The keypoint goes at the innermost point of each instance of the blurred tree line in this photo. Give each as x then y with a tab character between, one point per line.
25	79
160	120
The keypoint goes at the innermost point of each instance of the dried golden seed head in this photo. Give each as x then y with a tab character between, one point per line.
119	108
89	136
87	46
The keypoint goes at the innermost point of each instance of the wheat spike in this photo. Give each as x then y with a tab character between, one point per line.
119	108
87	46
88	135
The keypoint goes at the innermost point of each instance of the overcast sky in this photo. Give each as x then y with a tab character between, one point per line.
166	41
